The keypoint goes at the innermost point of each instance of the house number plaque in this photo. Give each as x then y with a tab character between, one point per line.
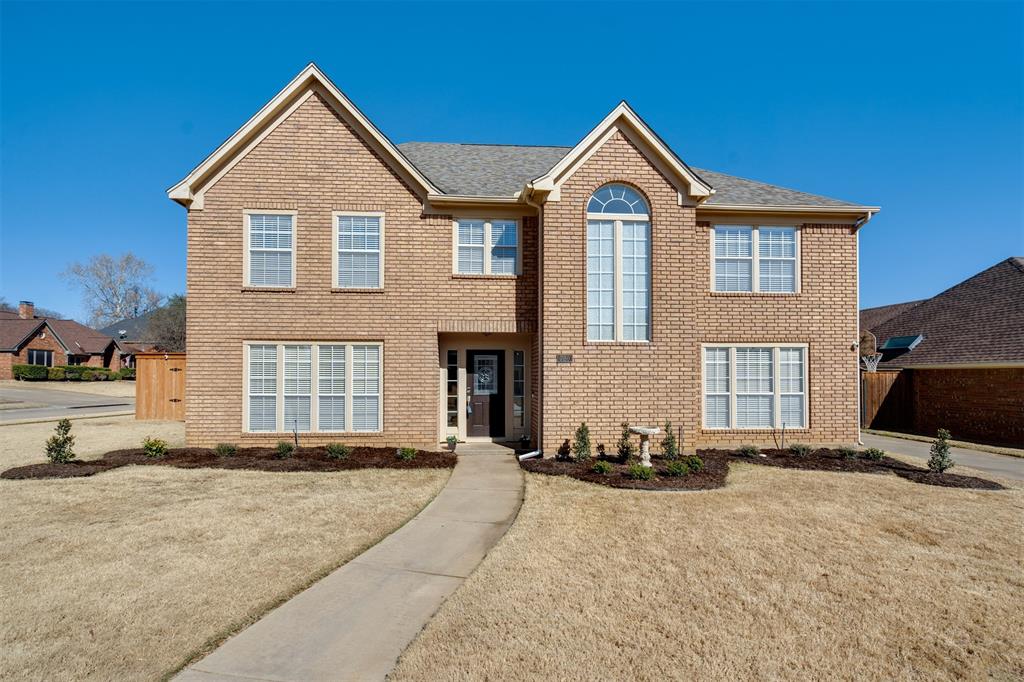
564	359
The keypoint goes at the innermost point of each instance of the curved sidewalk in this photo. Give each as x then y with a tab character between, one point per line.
353	624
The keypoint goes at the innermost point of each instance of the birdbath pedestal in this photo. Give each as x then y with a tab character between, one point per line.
645	442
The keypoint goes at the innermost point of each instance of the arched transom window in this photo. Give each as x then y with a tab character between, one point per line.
618	265
617	199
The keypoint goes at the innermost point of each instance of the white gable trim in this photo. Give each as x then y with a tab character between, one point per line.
692	189
189	192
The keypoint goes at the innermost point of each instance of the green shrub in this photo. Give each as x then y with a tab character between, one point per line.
695	463
407	454
677	468
126	373
847	453
669	446
30	372
581	443
87	375
639	472
874	454
283	449
800	450
154	447
625	446
55	374
59	447
940	460
452	441
747	450
338	450
601	467
226	449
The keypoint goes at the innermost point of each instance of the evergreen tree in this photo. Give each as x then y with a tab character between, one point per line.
940	459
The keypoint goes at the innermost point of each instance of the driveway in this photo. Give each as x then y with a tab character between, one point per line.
28	402
1006	466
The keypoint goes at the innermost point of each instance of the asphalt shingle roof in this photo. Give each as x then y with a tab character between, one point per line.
493	170
76	337
871	318
134	328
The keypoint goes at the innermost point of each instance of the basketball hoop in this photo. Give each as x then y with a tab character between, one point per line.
871	361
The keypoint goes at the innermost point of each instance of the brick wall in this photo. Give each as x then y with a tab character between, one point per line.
979	405
608	383
43	340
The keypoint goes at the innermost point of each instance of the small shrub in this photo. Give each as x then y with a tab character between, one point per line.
154	447
800	450
284	449
452	442
940	459
625	446
847	453
127	373
747	451
601	467
30	372
677	468
407	454
338	450
226	449
874	454
639	472
695	463
55	374
669	446
59	447
581	443
88	375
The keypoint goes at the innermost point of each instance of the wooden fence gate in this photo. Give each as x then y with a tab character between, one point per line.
887	401
160	386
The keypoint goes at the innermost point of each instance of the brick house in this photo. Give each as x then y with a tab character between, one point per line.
29	340
353	289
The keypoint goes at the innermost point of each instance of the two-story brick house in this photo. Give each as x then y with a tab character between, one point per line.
357	290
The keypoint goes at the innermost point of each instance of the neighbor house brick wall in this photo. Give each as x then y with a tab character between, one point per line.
984	405
314	163
42	340
608	383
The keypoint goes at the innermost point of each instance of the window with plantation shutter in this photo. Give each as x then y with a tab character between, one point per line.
298	387
791	387
365	388
331	387
777	259
486	247
755	258
359	264
716	388
271	252
262	388
755	387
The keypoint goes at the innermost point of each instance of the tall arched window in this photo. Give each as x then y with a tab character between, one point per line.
618	265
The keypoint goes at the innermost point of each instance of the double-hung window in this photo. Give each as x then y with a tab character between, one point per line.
618	265
313	387
270	249
487	247
752	258
358	261
755	387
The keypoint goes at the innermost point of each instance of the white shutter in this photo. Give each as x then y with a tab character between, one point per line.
331	388
365	388
263	388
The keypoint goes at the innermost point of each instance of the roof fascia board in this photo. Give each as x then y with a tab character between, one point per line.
855	216
995	364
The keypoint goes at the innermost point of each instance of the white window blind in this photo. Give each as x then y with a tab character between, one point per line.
331	387
271	241
298	388
734	258
742	391
471	247
359	261
777	259
263	388
487	247
754	388
716	388
791	387
365	388
755	258
600	280
504	247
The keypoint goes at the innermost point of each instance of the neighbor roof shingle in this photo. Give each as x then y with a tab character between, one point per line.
873	317
494	170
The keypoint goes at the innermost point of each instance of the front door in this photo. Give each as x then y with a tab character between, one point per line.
485	393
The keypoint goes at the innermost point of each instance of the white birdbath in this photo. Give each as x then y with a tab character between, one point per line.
645	442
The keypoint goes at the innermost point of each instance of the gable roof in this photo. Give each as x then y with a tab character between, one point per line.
74	337
979	321
873	317
14	331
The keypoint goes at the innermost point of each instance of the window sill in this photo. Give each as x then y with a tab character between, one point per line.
755	294
463	275
357	290
601	344
269	289
290	434
768	431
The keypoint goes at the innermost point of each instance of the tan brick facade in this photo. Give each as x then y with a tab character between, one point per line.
314	163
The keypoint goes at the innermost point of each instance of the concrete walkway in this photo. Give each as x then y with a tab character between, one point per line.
1006	466
353	624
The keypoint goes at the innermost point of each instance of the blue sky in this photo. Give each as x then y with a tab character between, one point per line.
916	107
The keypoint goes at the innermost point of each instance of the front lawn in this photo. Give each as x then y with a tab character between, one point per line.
782	574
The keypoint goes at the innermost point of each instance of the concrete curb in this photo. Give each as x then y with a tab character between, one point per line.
43	420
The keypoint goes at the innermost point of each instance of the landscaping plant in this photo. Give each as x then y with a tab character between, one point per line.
847	453
639	472
940	459
59	447
226	449
581	443
677	468
338	450
154	447
800	450
625	446
747	450
284	449
452	442
695	463
601	467
669	446
407	454
874	454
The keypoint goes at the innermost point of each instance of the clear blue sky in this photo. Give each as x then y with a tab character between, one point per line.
916	107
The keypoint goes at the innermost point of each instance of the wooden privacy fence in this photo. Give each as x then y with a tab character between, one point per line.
160	386
886	400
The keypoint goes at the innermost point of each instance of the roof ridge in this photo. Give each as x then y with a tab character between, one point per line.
490	144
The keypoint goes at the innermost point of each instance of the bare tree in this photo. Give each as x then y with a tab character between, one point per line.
166	325
40	312
113	288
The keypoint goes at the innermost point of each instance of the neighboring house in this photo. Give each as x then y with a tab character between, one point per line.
962	356
348	288
131	336
29	340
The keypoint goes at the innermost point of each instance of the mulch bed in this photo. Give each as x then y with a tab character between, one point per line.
256	459
716	467
832	460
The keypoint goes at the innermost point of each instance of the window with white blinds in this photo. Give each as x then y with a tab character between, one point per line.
358	240
755	387
285	394
487	247
271	250
755	258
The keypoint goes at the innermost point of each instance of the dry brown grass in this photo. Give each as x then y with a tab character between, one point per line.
781	575
126	574
122	389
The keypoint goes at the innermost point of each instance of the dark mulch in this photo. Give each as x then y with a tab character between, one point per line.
716	467
257	459
832	460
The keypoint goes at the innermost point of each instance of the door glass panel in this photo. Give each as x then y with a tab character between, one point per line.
486	375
